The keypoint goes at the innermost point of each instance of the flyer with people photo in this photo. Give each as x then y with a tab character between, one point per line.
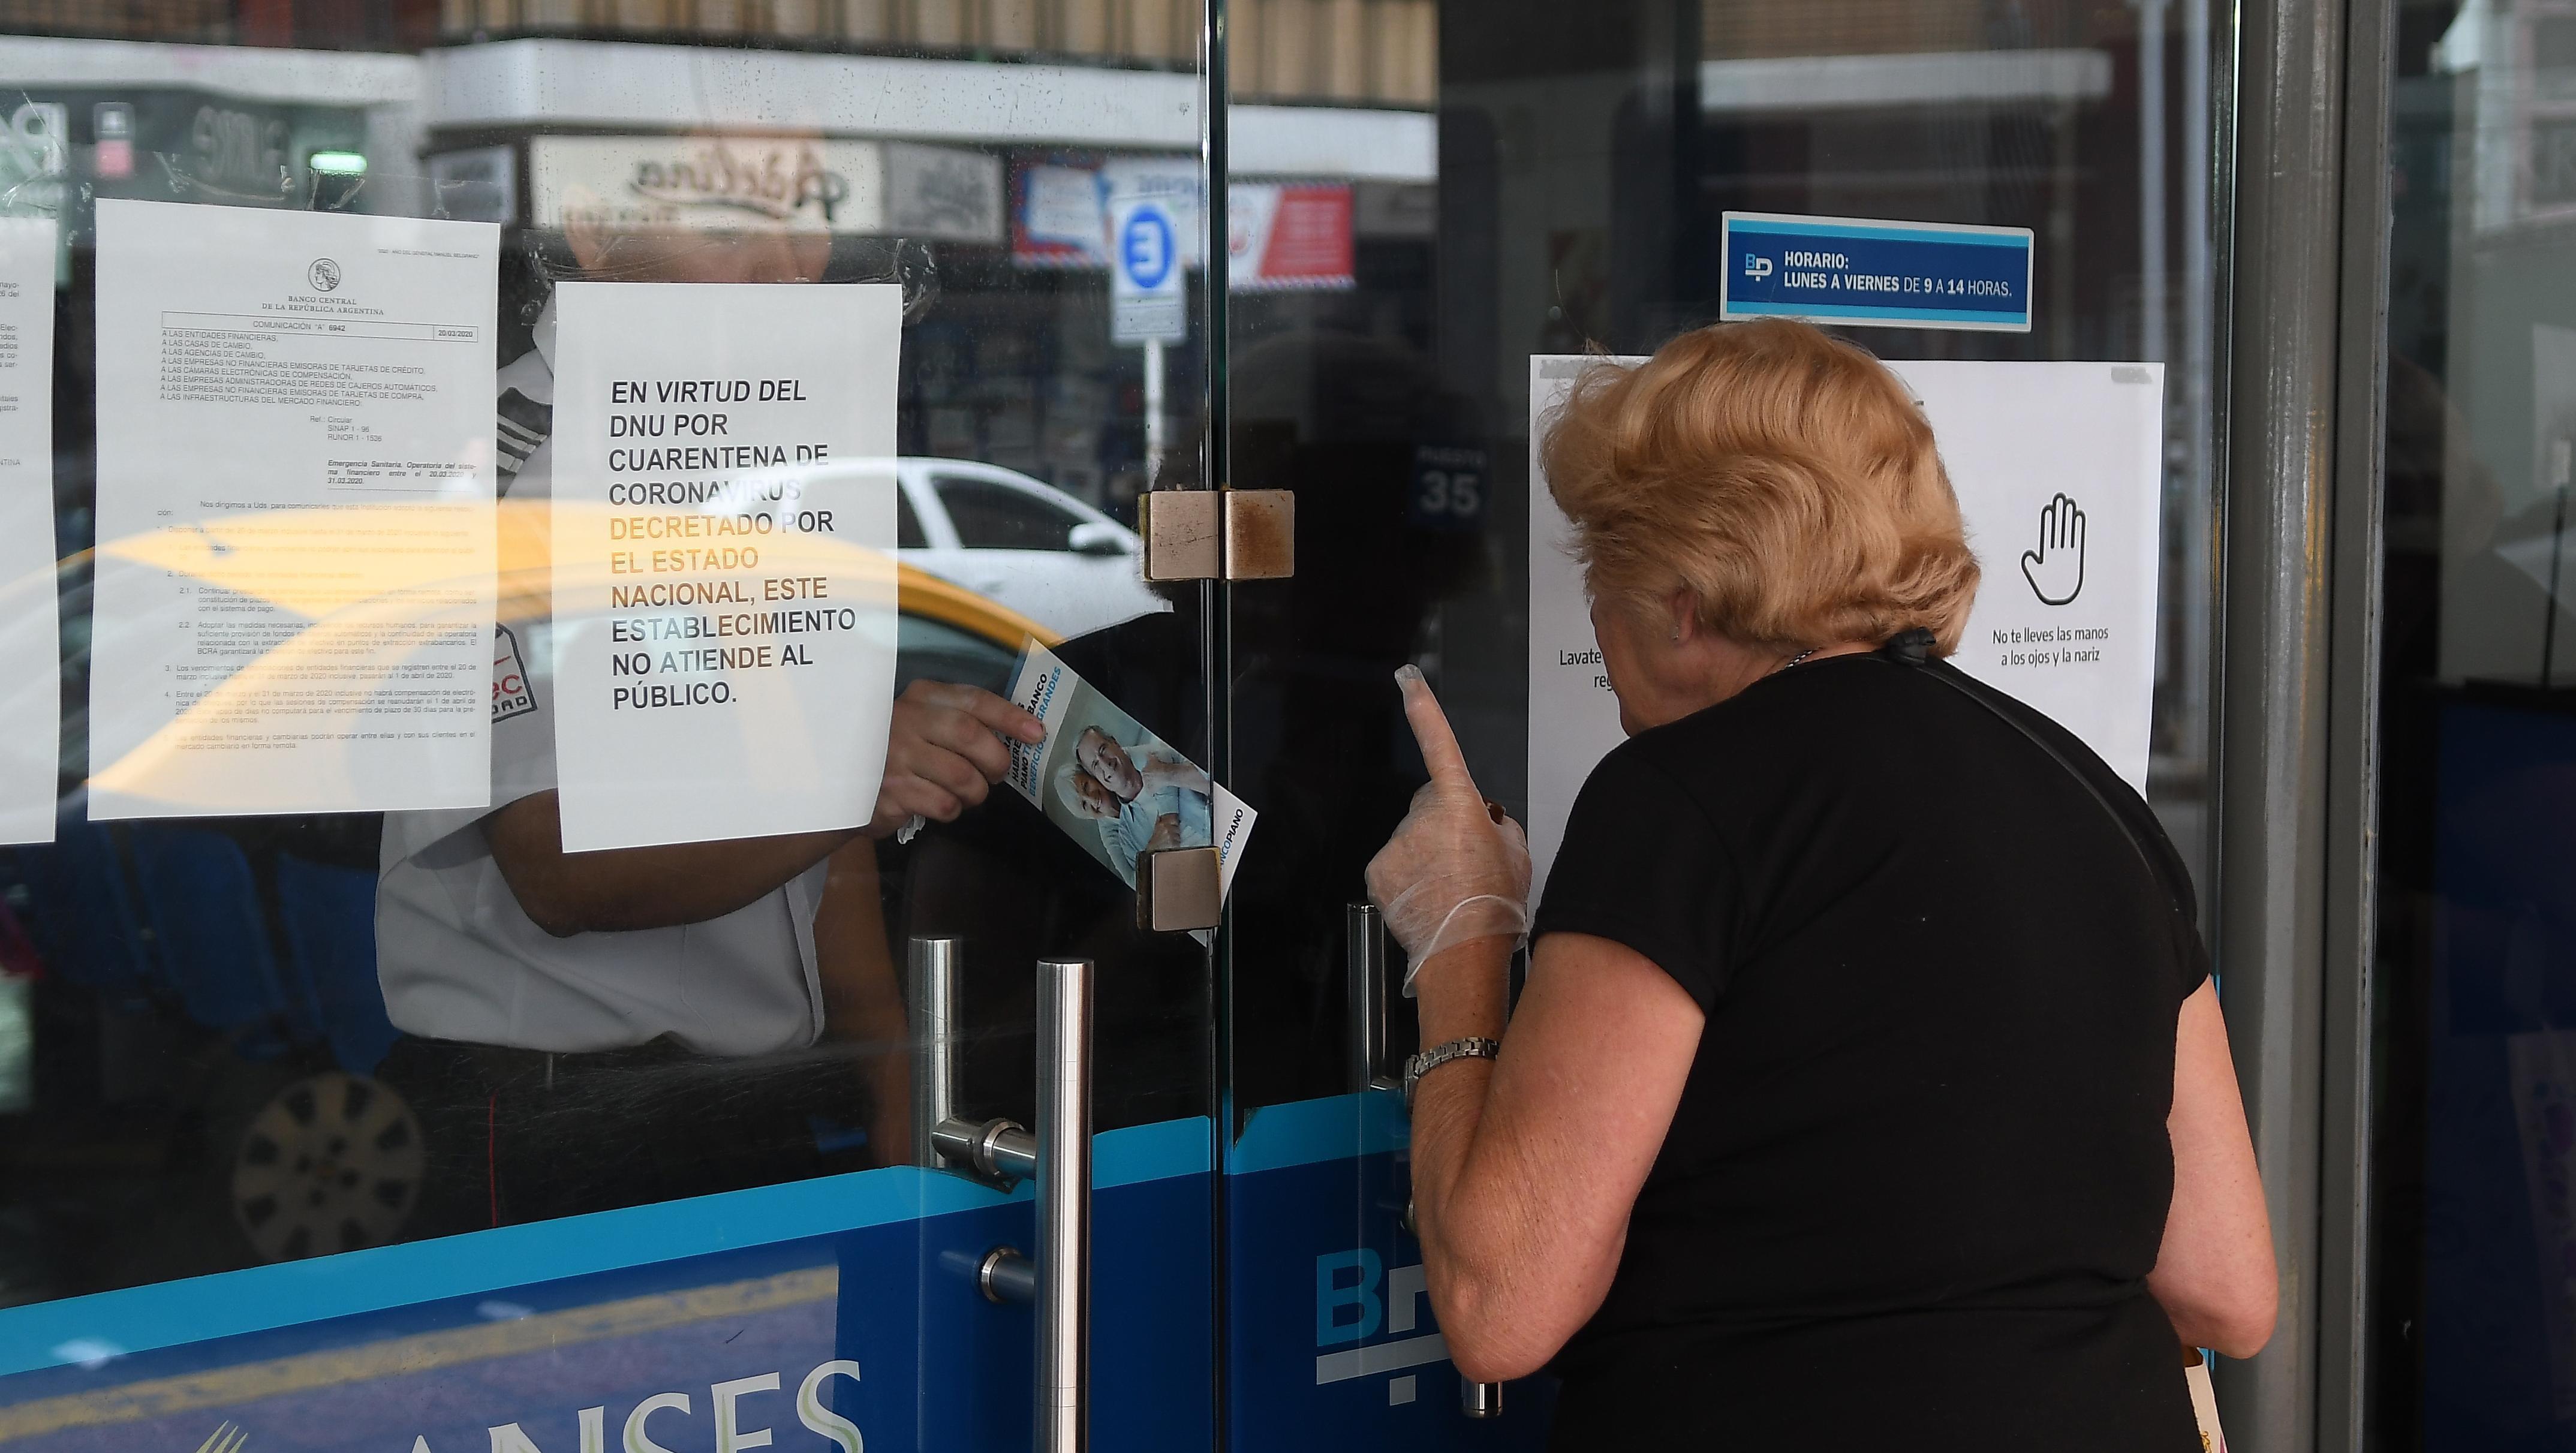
1116	789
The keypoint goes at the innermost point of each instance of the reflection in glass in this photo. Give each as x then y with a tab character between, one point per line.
243	1039
2476	932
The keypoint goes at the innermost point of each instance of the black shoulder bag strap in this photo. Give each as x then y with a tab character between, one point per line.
1914	648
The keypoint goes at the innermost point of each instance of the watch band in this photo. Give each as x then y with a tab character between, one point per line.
1472	1047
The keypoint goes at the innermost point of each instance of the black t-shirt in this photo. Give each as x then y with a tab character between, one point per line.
1920	1168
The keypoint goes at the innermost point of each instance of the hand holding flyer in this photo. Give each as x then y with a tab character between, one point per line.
1116	789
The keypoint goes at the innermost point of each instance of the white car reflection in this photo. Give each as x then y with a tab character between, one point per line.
1020	543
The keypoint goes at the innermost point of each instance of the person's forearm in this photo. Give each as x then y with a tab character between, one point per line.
1459	1206
637	888
862	999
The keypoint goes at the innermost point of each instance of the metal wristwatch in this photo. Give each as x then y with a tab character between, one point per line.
1472	1047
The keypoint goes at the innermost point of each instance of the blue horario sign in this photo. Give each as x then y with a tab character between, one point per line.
1877	273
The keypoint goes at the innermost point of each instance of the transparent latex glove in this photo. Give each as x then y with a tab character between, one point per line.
1457	869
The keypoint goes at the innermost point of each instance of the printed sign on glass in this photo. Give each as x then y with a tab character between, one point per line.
1862	273
724	576
30	680
295	512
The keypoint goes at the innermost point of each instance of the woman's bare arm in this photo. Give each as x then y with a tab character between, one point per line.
1525	1168
2215	1275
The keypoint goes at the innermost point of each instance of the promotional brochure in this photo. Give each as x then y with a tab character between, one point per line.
1116	789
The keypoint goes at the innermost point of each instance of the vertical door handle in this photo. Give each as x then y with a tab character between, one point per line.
1364	986
931	978
1064	1204
1057	1155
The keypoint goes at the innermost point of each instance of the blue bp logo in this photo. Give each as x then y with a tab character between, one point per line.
324	274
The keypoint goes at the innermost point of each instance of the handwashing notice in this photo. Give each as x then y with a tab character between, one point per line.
724	567
295	520
2059	470
30	674
1116	789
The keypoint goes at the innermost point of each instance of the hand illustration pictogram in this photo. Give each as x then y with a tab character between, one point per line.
2056	569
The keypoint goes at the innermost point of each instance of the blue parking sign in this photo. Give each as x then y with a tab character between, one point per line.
1147	303
1146	250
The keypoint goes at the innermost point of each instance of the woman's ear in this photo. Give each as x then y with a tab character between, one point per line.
1683	614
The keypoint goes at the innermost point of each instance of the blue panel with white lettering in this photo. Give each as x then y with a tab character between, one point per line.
1859	273
821	1316
1332	1342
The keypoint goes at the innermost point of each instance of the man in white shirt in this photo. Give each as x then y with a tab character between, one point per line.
597	1013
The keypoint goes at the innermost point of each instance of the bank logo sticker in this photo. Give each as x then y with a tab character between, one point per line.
324	274
2055	569
228	1437
1357	1296
513	694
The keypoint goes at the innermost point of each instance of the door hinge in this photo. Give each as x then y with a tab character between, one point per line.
1227	534
1176	888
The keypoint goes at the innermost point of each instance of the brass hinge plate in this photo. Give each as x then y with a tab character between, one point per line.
1218	534
1260	534
1183	534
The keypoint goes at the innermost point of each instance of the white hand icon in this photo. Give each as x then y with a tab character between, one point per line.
2056	569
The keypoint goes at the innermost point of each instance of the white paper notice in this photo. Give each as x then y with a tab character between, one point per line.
2058	469
295	548
30	671
1573	718
724	535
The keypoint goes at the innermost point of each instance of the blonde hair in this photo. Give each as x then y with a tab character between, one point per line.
1782	478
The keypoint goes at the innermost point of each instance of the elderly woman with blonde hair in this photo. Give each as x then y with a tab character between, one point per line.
1869	1090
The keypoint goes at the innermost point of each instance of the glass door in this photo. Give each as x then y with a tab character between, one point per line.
1512	187
527	523
521	927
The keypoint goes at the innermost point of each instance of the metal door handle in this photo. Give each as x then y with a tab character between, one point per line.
1057	1155
1064	1203
1364	956
930	966
1364	985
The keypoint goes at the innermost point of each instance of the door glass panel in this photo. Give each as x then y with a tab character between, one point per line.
352	1097
1532	179
2475	1324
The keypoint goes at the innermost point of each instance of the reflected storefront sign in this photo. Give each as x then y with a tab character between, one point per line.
795	184
1280	236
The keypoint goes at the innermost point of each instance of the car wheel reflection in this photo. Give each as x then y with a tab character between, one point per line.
331	1163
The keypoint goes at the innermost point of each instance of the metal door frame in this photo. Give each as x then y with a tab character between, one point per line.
2299	688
